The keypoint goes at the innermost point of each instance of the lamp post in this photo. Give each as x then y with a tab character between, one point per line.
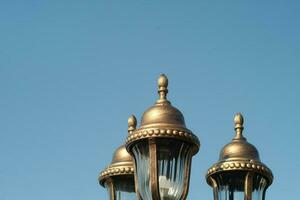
162	148
118	177
239	174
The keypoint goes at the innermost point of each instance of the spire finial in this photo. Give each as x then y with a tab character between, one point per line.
131	124
239	122
162	88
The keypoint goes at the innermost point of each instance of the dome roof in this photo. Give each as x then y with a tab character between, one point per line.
239	150
121	165
161	120
120	156
162	113
239	155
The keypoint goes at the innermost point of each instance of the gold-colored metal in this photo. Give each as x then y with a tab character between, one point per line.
153	166
121	165
248	186
131	127
239	155
161	121
215	187
131	124
187	174
111	188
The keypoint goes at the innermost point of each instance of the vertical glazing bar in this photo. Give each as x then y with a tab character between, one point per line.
215	188
187	176
248	186
231	194
153	169
112	194
136	184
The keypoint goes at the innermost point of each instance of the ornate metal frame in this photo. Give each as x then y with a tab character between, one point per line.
121	166
164	122
233	159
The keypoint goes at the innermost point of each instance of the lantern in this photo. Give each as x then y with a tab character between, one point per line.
162	148
239	174
118	177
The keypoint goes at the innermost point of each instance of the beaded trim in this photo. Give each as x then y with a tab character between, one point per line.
168	133
241	165
115	171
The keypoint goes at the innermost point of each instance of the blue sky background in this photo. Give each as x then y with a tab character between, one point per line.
71	72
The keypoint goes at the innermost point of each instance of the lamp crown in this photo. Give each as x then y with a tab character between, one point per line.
162	135
121	165
239	155
239	148
162	120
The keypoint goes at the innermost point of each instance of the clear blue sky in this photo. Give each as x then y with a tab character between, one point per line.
71	72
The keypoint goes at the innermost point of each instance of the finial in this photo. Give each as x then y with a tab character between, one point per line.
162	88
131	124
238	121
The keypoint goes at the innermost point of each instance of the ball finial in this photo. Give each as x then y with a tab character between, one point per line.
131	123
162	88
239	119
239	122
162	81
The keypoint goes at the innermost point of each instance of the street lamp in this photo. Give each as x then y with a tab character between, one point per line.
239	174
118	177
162	148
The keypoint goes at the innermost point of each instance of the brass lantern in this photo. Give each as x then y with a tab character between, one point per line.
162	148
239	174
118	177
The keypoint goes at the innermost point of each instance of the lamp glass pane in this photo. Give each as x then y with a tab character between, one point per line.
231	186
124	188
141	157
259	187
173	161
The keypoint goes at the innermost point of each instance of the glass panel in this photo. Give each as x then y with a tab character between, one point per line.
171	167
259	187
141	155
231	186
124	188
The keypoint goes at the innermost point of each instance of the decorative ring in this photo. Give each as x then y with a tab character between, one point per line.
257	167
181	134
